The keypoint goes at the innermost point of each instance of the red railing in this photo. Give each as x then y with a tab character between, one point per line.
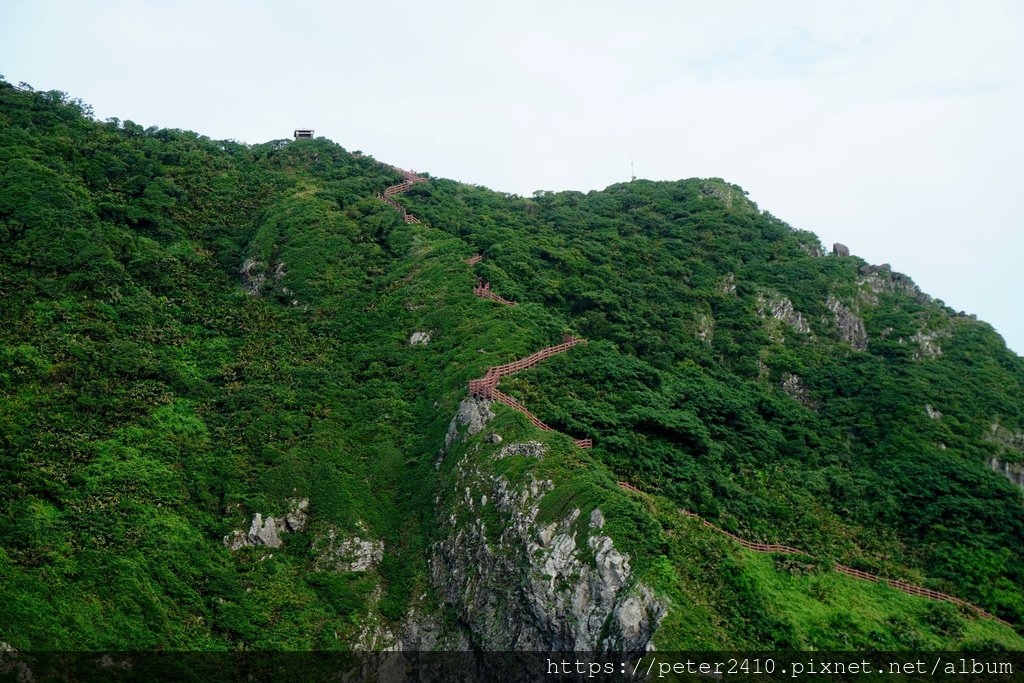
410	180
842	569
487	386
473	260
483	290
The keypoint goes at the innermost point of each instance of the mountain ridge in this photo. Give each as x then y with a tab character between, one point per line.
204	332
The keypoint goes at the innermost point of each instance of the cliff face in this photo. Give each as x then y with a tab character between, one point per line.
519	583
1013	471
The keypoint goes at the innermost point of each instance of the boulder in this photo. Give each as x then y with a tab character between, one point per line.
840	249
264	532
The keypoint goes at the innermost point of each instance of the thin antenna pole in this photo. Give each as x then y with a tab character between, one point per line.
632	172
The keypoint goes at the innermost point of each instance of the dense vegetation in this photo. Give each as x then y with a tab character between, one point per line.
197	330
854	466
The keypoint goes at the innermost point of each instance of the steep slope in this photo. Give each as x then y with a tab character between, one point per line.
229	376
817	401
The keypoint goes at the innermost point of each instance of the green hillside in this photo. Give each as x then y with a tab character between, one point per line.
199	331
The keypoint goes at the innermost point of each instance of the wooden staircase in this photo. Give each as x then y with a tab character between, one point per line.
483	290
903	586
487	386
389	192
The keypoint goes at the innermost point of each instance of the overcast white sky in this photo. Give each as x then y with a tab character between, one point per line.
893	127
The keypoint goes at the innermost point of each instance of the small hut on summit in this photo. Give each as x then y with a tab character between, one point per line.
303	133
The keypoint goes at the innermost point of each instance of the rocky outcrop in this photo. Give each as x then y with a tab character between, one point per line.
473	414
350	554
266	531
850	326
840	249
421	630
253	276
705	327
928	346
719	191
256	274
932	412
1013	471
1006	439
529	449
812	250
419	339
727	284
795	389
11	666
780	308
528	585
881	279
1010	444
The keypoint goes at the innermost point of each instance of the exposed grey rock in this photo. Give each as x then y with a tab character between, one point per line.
718	191
840	249
267	531
1013	471
928	346
795	389
869	270
529	449
108	662
533	586
932	412
545	534
494	438
11	666
634	615
297	517
881	279
851	327
727	285
419	339
255	275
420	630
474	414
1006	439
780	308
705	327
264	532
351	554
812	250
